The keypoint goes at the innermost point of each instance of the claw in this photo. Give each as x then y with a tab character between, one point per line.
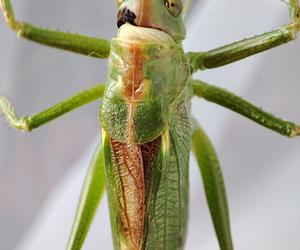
2	9
295	131
294	10
7	10
294	7
11	116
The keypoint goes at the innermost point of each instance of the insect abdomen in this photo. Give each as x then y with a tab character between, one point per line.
165	194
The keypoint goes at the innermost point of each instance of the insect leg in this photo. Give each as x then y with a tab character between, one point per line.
213	184
31	122
238	50
81	44
92	191
237	104
294	7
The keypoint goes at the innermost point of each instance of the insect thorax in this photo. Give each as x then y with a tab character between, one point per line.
148	71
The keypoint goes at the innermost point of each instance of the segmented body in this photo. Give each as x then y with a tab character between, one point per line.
145	116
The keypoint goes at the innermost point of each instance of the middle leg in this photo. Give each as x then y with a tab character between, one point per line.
31	122
237	104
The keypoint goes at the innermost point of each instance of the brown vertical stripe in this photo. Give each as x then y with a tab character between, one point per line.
133	76
145	17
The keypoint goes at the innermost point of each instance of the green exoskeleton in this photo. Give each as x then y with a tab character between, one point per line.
147	128
144	108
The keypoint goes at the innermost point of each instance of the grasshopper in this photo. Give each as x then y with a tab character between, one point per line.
147	129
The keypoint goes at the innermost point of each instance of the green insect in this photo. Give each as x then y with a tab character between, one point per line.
147	129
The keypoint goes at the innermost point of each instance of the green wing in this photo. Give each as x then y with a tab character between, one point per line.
168	204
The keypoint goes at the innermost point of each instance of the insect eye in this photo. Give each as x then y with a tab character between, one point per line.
174	7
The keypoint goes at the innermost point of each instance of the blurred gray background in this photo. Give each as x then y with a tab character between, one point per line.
35	77
40	175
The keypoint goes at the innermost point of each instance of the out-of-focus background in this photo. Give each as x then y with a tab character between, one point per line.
41	172
35	77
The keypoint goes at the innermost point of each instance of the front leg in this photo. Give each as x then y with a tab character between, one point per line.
81	44
238	50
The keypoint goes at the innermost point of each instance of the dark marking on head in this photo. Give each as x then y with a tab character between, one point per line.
125	16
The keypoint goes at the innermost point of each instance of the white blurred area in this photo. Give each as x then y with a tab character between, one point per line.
41	174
